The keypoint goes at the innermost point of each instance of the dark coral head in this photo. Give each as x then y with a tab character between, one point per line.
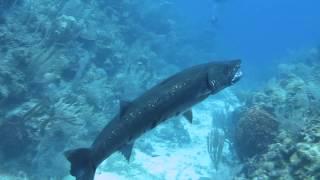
254	132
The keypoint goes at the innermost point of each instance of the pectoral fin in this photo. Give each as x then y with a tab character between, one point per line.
123	106
126	151
188	115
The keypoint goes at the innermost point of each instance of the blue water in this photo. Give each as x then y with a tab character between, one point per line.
68	67
261	33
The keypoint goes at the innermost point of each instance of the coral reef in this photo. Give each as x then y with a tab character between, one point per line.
64	67
215	144
293	99
254	132
288	158
13	88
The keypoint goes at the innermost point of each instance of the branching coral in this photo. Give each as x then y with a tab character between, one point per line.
64	65
13	87
289	158
293	98
215	144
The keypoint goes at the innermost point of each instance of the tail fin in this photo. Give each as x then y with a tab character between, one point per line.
82	166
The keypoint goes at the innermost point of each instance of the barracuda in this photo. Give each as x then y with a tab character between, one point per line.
174	96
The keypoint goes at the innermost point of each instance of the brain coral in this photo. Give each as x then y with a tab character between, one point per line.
255	130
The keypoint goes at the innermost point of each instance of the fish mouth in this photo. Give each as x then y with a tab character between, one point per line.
237	74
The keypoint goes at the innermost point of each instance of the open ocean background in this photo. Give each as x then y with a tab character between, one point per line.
66	64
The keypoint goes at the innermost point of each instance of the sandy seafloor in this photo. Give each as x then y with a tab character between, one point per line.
66	65
169	160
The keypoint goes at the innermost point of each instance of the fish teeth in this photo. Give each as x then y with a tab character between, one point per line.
237	75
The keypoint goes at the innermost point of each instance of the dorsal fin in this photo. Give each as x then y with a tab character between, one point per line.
126	151
188	115
124	106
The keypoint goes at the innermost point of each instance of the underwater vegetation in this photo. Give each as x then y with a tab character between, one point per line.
287	147
61	66
65	65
